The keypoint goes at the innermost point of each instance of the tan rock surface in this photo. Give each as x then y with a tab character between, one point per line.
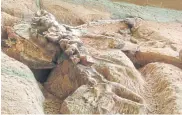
111	77
20	91
8	20
156	42
163	88
27	51
73	14
108	82
19	8
52	104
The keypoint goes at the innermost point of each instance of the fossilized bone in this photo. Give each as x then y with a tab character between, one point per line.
46	25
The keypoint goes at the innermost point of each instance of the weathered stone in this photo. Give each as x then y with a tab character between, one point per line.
163	88
72	14
19	8
180	55
23	30
156	42
94	76
27	51
8	20
98	100
20	93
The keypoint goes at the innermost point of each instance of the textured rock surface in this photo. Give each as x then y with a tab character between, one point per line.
20	91
163	88
103	79
19	8
28	51
157	42
110	77
8	20
73	14
52	104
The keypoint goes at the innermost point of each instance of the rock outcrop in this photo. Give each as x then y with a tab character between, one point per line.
94	65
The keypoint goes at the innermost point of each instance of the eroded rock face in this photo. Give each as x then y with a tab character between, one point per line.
20	91
163	88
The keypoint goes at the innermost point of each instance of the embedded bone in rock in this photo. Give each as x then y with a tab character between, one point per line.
115	79
71	49
46	24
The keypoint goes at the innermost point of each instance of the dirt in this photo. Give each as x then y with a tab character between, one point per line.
177	4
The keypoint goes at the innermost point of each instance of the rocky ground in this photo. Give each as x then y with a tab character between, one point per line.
89	62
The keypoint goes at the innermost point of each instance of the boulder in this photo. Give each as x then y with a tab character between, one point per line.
28	50
163	88
20	92
8	20
156	42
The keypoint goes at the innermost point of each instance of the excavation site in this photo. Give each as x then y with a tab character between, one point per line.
91	57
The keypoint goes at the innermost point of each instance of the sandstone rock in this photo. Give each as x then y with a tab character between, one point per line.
111	77
147	55
52	104
98	100
180	55
73	14
22	30
101	79
29	52
20	93
156	42
163	88
19	8
60	81
8	20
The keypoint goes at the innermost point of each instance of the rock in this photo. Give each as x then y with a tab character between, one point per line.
156	42
98	100
59	82
111	82
71	14
158	31
19	8
8	20
147	55
95	74
180	55
163	88
23	30
86	60
52	104
20	92
29	52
